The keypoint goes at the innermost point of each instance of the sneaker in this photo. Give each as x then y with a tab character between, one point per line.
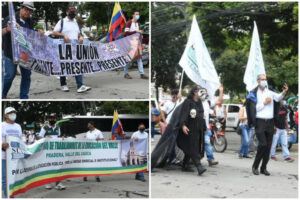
289	159
175	161
60	186
240	156
48	186
143	76
84	178
83	88
127	76
247	156
65	88
98	179
274	158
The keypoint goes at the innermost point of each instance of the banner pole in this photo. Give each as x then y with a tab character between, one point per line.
10	7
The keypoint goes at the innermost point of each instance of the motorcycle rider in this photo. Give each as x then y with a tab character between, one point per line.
207	105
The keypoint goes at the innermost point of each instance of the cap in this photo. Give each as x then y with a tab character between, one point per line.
28	4
9	110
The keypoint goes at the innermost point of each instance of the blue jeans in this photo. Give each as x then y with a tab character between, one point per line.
11	69
296	125
246	135
4	178
140	65
140	175
208	147
77	78
280	133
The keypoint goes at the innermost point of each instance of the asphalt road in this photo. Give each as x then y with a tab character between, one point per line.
105	85
232	178
111	186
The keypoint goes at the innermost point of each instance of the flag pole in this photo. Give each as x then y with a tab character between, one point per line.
182	74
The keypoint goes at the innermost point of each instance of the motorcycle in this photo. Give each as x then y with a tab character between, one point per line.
218	139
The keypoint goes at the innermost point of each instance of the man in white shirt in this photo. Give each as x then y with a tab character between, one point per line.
264	127
207	105
93	134
9	128
170	106
51	131
132	27
69	30
138	135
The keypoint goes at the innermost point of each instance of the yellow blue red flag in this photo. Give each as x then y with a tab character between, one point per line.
117	23
117	129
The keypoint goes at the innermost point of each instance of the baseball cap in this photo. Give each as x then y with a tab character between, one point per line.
9	109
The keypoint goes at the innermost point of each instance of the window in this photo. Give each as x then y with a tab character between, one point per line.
233	109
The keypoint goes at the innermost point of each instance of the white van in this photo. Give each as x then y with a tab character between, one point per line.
232	115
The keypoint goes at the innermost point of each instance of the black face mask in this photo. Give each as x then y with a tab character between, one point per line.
142	130
52	122
72	15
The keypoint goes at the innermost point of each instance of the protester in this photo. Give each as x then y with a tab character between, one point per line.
220	113
9	128
207	105
191	136
138	135
93	134
261	112
69	30
23	18
52	131
155	118
166	114
246	132
282	127
30	137
132	26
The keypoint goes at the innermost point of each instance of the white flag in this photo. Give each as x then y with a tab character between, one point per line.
197	63
255	65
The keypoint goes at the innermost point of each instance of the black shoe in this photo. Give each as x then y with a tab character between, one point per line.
84	178
201	170
255	171
247	156
265	172
98	179
140	179
187	168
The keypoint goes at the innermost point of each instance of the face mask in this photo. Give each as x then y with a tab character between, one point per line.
52	122
12	116
264	84
137	17
72	15
142	130
90	128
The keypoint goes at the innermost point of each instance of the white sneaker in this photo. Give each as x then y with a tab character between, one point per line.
60	186
48	186
65	88
83	88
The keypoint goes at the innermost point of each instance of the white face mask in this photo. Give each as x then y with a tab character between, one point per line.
12	116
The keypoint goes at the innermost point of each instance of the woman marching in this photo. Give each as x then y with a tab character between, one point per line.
191	134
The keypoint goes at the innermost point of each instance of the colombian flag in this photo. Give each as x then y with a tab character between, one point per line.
116	127
117	23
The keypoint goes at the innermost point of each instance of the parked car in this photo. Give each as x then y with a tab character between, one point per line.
232	119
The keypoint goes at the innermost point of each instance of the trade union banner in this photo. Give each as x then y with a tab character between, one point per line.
54	57
50	160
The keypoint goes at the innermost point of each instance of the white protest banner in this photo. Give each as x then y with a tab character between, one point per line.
54	57
255	65
197	63
50	160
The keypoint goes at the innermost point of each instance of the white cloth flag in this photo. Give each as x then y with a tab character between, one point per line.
196	62
255	65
